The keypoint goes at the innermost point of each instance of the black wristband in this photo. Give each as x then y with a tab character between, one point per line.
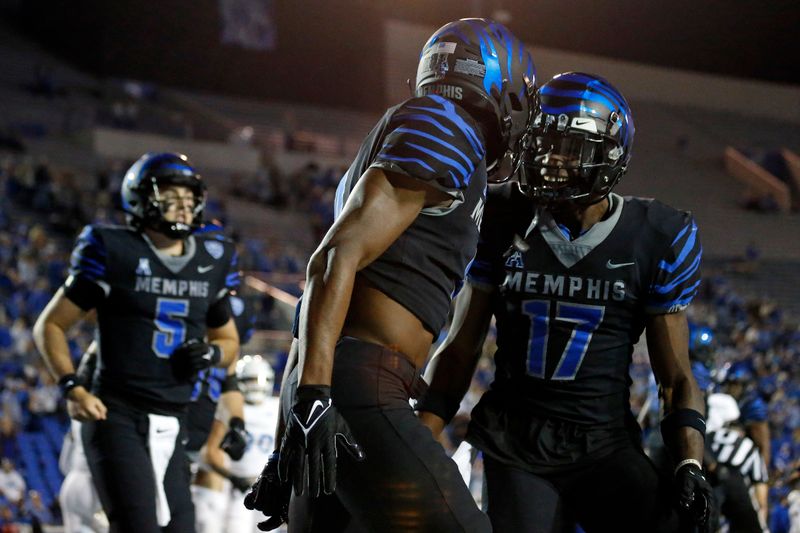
675	420
67	383
313	392
231	383
682	418
439	404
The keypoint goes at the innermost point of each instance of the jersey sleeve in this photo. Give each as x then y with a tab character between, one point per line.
87	283
487	269
232	280
753	409
431	139
233	277
677	275
219	312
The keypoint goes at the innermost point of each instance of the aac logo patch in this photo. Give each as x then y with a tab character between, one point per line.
515	260
144	267
237	305
214	248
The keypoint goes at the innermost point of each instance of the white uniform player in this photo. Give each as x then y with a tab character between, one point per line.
261	410
78	498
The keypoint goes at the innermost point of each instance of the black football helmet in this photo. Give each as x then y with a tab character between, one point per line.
141	196
481	65
579	144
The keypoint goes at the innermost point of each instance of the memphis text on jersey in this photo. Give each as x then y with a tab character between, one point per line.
559	285
171	287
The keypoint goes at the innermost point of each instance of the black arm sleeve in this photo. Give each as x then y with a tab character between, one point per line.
219	313
84	293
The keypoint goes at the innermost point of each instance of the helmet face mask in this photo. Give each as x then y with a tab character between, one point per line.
145	196
579	144
161	204
481	65
256	378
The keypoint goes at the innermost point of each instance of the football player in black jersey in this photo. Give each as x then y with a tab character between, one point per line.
160	294
379	288
573	274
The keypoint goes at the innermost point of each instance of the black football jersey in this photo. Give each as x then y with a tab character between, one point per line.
153	302
433	140
569	311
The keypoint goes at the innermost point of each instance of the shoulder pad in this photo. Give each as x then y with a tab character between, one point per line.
666	219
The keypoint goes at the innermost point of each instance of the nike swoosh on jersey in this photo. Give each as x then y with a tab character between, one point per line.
204	269
612	266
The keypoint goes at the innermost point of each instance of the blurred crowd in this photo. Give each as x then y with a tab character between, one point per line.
310	189
42	208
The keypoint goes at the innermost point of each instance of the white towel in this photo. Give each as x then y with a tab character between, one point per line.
163	436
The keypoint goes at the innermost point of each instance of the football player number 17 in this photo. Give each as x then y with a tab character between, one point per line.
584	320
171	330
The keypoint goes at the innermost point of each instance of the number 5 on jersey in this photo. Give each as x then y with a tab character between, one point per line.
171	329
584	319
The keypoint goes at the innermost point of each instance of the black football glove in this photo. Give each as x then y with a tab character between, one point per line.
193	356
695	495
309	448
235	440
270	496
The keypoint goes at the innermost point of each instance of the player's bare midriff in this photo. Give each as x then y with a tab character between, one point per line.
376	318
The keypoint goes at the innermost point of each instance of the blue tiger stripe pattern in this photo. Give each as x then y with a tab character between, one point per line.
753	408
233	279
678	274
89	256
491	38
592	91
431	139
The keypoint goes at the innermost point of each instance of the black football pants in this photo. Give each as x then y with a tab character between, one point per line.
117	452
734	500
406	483
619	493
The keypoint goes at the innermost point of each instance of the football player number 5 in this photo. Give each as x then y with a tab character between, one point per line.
584	320
171	328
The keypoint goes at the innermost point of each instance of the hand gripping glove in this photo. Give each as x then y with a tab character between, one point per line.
193	356
235	440
695	495
270	496
314	432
